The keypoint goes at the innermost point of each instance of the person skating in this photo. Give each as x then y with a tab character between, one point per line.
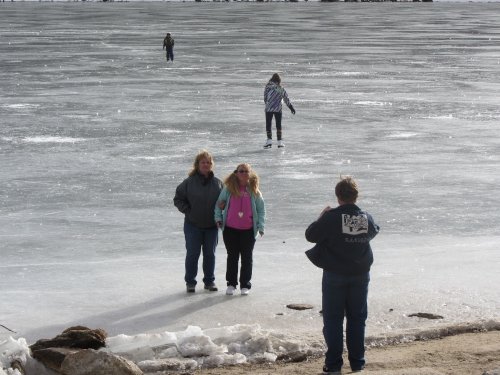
274	95
168	43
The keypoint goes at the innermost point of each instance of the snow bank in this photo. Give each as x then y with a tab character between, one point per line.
184	350
12	349
214	347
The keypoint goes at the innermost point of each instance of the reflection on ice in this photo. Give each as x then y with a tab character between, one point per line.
442	117
171	131
401	135
52	139
373	103
20	106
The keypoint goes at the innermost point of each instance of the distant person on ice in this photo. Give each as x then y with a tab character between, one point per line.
342	236
168	43
274	94
195	197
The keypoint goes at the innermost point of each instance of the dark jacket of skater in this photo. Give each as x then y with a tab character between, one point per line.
168	43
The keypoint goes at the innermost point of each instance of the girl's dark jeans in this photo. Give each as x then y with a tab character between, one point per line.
269	119
239	242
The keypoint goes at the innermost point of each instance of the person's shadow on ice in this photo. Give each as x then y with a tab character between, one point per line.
152	315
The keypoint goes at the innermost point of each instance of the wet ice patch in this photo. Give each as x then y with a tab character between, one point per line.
323	101
373	103
171	131
20	106
78	116
351	74
400	135
52	139
300	175
150	157
301	160
440	117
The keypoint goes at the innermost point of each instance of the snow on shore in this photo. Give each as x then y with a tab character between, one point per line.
184	350
224	346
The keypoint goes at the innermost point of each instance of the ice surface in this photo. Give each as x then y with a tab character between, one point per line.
97	130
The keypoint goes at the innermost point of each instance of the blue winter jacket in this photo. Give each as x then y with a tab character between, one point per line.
342	236
258	210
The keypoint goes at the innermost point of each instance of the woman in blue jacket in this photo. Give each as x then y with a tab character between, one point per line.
241	215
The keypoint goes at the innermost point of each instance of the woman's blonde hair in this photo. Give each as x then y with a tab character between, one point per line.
203	154
232	183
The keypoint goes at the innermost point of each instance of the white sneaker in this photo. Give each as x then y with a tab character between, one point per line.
281	144
245	291
269	143
230	290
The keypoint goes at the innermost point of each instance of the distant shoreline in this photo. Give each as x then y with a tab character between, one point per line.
435	351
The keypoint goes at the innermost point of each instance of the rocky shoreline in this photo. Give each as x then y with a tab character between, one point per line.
467	348
460	354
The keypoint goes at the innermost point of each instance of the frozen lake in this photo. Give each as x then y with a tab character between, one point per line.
97	130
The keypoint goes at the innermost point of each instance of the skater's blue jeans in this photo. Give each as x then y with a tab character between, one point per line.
198	240
170	53
344	296
269	120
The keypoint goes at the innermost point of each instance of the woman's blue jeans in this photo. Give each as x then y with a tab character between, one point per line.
198	239
344	296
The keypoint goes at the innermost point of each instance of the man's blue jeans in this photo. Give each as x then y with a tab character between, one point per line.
198	239
344	296
170	53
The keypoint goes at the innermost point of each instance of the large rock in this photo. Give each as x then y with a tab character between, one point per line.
92	362
52	357
299	306
426	315
74	337
53	352
72	353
